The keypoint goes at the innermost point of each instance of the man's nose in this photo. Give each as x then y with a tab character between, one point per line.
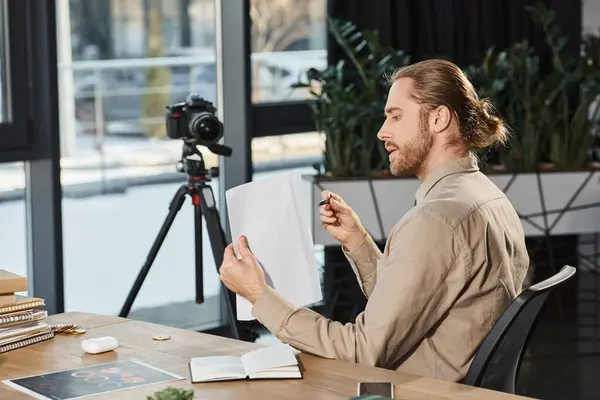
382	134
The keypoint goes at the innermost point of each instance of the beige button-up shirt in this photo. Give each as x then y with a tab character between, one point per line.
450	267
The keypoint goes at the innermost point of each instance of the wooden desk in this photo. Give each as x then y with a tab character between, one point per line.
323	379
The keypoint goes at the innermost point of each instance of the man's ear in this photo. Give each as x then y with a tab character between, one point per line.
439	119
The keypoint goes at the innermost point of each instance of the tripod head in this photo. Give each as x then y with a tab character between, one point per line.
192	161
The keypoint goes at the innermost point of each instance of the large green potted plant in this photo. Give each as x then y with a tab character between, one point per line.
549	111
553	116
511	79
571	89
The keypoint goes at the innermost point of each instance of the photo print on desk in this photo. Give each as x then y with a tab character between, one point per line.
91	380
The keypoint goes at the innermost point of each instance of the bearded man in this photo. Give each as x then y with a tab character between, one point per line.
450	266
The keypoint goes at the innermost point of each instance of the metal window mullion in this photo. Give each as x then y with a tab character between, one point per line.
43	188
233	94
233	79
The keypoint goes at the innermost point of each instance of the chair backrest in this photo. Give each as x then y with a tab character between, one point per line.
497	361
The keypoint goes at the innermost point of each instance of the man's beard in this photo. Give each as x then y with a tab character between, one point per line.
410	158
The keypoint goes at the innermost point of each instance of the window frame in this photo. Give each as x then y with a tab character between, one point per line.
278	117
281	118
16	138
32	136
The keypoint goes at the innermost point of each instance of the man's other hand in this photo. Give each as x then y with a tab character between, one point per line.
242	276
341	222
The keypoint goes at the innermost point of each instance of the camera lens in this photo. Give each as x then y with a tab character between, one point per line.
206	128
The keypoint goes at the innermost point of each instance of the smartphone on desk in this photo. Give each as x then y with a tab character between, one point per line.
385	389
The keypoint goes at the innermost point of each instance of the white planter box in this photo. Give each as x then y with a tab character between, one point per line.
571	201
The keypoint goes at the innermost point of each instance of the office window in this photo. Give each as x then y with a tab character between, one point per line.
130	59
126	95
13	242
15	138
287	38
290	151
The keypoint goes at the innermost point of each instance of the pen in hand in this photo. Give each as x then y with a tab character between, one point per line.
323	202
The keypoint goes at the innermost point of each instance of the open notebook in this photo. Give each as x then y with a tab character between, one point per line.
274	362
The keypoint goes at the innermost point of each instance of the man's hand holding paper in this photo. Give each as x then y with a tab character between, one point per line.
243	276
270	230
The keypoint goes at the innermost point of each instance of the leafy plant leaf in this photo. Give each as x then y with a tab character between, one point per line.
171	393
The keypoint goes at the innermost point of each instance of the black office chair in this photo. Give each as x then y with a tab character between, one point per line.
497	361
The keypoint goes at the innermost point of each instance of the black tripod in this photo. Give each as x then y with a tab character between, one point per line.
204	205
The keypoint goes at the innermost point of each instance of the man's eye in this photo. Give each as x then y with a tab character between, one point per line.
396	118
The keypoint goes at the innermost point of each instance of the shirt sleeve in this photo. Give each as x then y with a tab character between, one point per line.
363	261
408	300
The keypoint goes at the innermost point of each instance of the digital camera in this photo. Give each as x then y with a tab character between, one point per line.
194	119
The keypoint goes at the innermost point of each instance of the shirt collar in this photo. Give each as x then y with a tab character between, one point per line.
465	164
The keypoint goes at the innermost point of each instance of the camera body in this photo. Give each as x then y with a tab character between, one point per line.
194	119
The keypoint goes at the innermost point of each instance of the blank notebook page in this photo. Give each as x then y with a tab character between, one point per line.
273	213
220	367
268	358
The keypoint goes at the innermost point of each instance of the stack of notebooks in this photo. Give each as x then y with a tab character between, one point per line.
21	322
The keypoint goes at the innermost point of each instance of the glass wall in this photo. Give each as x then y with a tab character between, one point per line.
297	150
287	38
13	237
127	60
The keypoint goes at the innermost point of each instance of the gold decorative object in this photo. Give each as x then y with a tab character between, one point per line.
161	337
68	329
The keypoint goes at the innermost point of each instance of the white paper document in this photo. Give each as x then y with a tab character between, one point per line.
273	214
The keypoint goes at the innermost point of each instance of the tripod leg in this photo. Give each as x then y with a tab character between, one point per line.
218	244
198	249
174	207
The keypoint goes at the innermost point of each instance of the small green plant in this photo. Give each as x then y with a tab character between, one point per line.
171	393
